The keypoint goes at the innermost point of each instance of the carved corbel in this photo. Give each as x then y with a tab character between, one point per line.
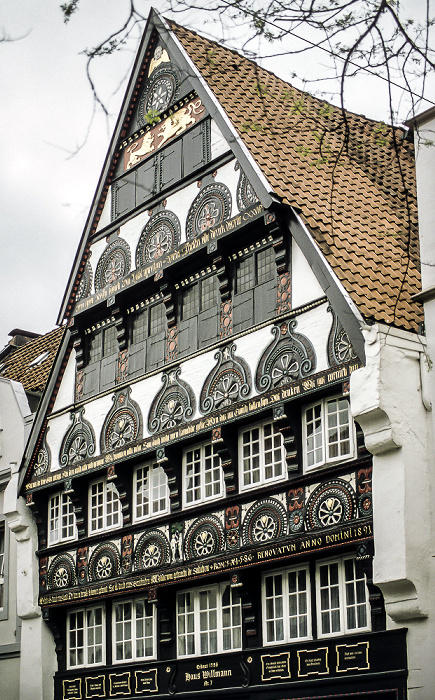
121	327
41	522
48	617
168	294
222	265
220	441
113	477
171	465
79	346
79	506
288	430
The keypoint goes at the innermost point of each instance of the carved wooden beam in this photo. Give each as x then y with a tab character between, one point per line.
171	464
288	430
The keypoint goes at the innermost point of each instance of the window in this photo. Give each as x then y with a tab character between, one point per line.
110	342
104	506
151	492
261	455
203	478
2	565
328	432
266	268
189	302
209	620
61	519
139	327
208	293
286	606
342	598
85	635
95	350
133	630
245	275
157	319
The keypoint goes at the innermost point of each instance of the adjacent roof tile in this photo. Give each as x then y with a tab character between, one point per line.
31	364
352	179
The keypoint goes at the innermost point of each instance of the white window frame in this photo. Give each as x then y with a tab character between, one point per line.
134	637
197	616
286	609
322	433
205	468
341	606
86	646
263	463
63	520
150	487
106	516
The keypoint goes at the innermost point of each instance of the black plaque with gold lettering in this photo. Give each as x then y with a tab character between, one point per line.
119	684
353	657
72	689
275	666
95	687
313	662
146	681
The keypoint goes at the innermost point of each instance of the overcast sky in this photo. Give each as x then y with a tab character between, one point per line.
46	110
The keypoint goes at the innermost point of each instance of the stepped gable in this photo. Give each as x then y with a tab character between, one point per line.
31	364
349	190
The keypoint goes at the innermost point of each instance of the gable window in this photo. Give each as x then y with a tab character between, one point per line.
157	319
208	293
342	597
189	302
245	275
61	519
151	492
209	620
110	342
261	455
139	327
133	631
286	606
85	637
104	506
265	264
328	432
202	472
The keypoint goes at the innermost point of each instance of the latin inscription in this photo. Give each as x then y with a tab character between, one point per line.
181	252
353	533
202	424
313	662
274	666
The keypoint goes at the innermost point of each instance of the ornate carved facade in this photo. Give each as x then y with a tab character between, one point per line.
205	503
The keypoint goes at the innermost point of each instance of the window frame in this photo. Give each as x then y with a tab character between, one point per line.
64	500
284	573
219	627
105	515
134	637
150	467
202	475
263	481
86	647
323	432
342	608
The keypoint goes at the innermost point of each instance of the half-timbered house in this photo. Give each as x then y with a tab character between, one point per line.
202	492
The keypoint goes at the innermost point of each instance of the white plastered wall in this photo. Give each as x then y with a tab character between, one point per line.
387	399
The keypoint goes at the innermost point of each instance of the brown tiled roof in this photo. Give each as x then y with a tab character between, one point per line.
357	197
17	364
